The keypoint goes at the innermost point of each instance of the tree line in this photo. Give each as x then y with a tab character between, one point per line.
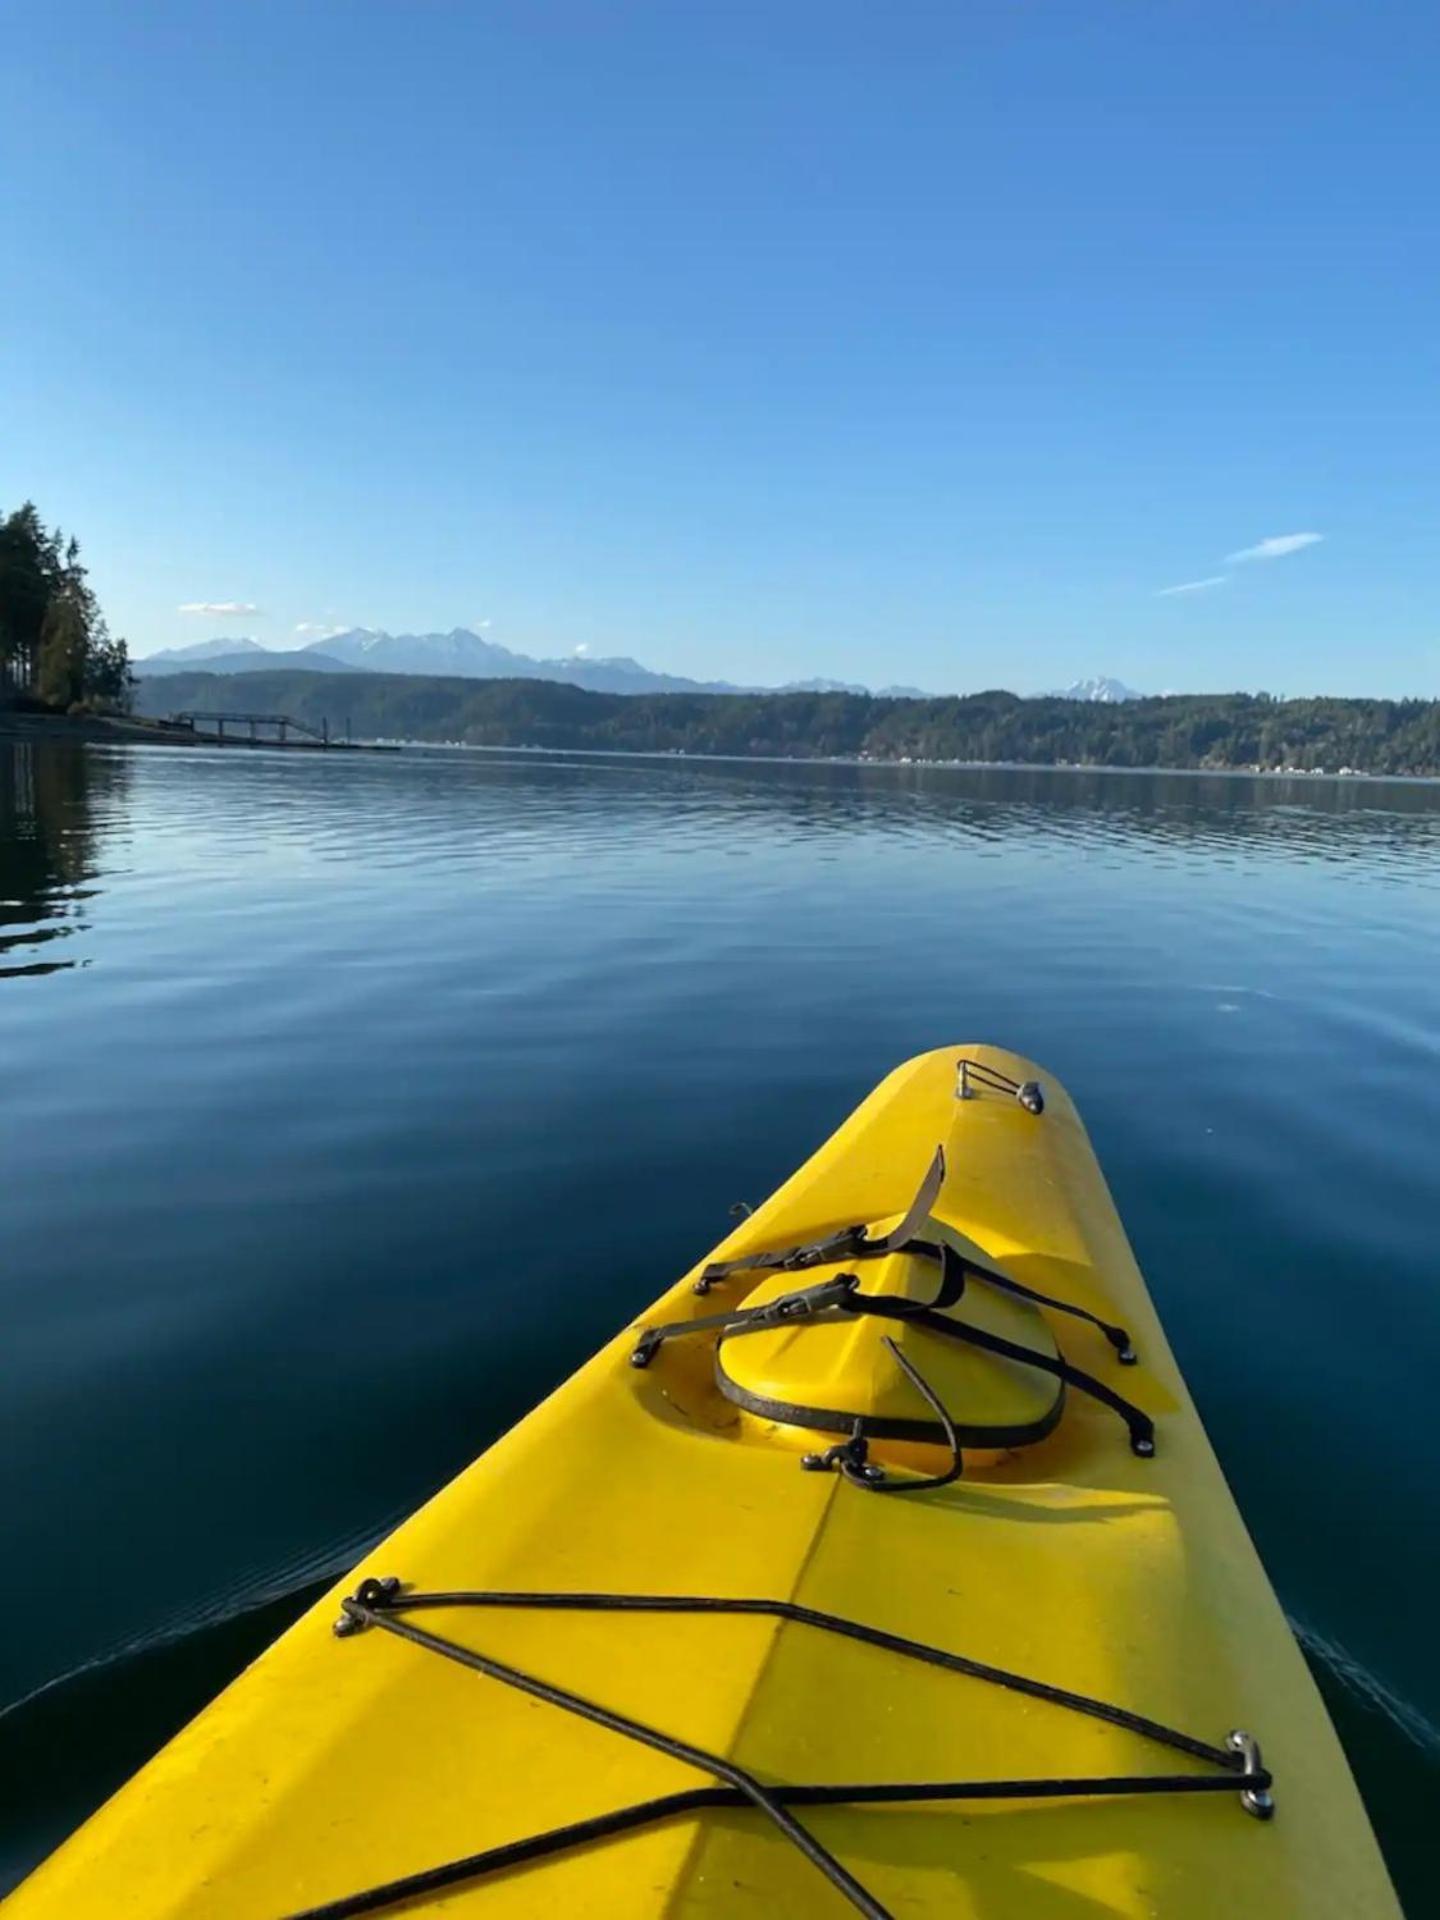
1228	731
55	648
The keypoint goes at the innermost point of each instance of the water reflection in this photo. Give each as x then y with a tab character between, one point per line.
49	837
457	810
449	814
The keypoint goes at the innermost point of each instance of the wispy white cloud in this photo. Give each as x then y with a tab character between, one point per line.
208	608
582	650
1192	586
316	629
1275	548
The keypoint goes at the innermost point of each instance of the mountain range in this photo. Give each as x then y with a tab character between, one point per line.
235	656
465	654
459	654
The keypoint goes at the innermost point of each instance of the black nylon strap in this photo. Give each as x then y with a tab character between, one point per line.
843	1294
850	1243
961	1264
803	1304
1141	1426
845	1244
919	1210
855	1243
1118	1337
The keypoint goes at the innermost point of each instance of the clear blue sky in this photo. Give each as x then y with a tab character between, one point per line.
922	343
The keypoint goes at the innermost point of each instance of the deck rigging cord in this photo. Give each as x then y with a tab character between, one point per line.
1238	1766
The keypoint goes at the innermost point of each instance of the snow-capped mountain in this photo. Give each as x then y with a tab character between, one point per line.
206	650
471	656
1098	688
232	656
460	653
465	652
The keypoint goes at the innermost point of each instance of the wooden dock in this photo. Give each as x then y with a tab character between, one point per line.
262	730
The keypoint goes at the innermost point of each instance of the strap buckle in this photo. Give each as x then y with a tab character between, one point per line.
803	1304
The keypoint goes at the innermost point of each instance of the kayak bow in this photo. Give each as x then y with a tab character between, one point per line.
885	1561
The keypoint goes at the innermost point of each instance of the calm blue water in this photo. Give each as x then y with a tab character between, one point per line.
347	1103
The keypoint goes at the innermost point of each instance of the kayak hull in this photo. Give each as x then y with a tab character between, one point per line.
333	1765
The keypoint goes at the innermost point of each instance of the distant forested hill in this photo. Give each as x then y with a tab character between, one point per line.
1229	730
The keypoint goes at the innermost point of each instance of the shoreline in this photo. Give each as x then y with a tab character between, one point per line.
1351	776
124	731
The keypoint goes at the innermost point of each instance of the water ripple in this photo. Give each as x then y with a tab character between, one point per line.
298	1049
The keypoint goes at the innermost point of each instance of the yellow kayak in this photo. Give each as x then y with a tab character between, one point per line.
882	1566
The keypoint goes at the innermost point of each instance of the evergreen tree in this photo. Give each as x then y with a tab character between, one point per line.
109	682
64	646
32	567
53	639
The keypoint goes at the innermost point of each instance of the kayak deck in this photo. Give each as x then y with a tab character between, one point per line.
335	1765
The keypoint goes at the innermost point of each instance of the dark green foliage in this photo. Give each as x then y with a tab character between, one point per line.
109	684
54	644
31	569
64	640
1224	730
